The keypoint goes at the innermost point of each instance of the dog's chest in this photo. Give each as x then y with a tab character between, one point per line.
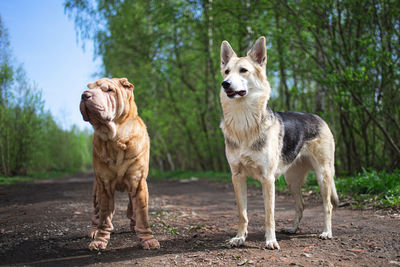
113	158
250	158
253	163
255	154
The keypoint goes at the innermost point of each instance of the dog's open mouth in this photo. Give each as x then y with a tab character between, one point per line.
232	93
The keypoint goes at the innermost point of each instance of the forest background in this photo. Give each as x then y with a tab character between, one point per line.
338	59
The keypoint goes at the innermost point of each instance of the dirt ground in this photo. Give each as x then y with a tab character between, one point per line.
46	224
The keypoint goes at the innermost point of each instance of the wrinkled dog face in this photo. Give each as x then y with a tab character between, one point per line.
106	100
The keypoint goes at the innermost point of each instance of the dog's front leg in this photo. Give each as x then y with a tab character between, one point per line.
240	186
105	196
142	226
96	211
131	211
268	187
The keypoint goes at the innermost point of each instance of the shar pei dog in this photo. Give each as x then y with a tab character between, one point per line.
120	159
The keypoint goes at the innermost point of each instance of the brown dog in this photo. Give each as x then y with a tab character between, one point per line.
120	158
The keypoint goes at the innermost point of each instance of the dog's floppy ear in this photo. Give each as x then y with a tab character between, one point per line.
259	52
226	53
124	82
92	85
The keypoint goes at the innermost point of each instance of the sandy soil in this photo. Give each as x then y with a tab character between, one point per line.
46	224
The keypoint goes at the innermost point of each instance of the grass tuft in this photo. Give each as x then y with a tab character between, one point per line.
372	187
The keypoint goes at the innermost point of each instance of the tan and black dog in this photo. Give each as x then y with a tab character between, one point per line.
120	158
265	144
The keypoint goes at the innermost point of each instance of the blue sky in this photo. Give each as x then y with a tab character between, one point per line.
43	39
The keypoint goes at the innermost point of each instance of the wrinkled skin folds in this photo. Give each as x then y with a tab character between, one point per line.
120	159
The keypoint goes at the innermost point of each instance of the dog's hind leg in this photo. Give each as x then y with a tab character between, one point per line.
240	186
294	177
324	176
322	160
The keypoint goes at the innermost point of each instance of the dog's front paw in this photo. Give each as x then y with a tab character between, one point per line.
326	235
272	244
151	243
237	241
97	245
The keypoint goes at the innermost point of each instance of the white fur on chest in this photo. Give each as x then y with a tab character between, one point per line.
262	163
241	119
250	163
258	165
244	155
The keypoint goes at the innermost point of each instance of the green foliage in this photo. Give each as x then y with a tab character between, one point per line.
339	59
379	188
31	142
369	187
281	185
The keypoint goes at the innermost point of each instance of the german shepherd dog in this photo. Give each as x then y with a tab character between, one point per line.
264	144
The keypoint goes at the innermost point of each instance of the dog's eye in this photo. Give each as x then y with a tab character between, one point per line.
243	70
227	71
110	90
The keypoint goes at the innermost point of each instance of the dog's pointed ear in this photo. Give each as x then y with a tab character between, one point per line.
125	83
226	53
259	52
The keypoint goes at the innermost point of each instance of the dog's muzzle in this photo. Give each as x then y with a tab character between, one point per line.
230	92
86	96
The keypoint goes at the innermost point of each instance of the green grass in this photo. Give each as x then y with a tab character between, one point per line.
372	187
35	176
380	189
368	188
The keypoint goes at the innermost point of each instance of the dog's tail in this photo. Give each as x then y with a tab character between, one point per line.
334	196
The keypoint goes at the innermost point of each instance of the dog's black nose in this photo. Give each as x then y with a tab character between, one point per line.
226	84
86	95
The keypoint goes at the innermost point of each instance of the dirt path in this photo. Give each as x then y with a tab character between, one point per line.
46	224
